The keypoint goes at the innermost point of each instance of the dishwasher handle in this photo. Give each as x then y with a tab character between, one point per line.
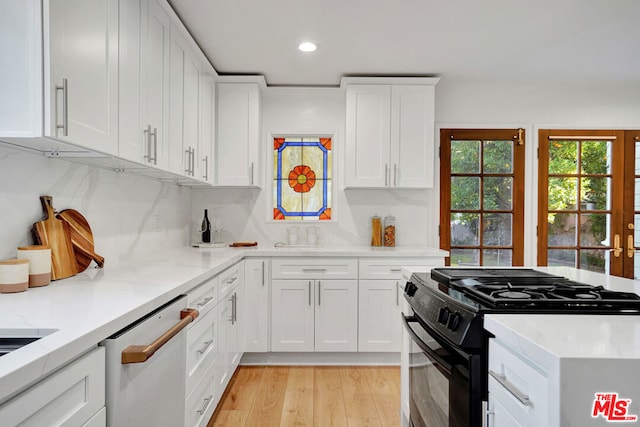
141	353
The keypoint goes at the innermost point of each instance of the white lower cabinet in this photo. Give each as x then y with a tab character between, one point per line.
257	273
314	315
202	401
72	396
230	338
379	312
519	393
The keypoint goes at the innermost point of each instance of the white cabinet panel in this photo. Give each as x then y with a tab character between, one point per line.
238	134
83	86
292	315
368	130
256	304
336	315
315	268
379	309
206	127
71	396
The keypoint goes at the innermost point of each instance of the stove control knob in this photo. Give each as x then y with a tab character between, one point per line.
443	315
410	289
454	321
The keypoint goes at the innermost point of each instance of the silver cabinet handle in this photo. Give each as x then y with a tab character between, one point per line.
65	108
206	168
397	293
234	307
205	347
386	174
511	388
188	154
154	159
263	273
309	292
319	290
147	133
395	270
193	161
205	405
231	280
204	301
314	270
395	174
251	173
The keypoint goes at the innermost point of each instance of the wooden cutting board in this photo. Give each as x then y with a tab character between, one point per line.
55	233
81	238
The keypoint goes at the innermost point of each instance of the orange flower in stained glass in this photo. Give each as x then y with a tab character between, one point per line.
302	179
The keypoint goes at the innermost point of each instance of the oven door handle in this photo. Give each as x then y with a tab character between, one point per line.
436	359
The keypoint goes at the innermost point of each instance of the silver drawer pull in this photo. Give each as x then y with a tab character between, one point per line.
204	301
502	379
205	347
231	280
314	270
205	405
395	270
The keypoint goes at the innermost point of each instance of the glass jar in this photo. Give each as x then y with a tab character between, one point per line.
376	231
389	230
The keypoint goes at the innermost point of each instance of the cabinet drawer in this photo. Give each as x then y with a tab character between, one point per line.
202	401
71	396
512	380
385	268
202	347
204	297
229	278
314	268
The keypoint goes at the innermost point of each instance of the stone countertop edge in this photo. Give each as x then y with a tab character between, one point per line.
93	305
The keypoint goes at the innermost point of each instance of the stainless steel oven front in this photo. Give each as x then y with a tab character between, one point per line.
445	383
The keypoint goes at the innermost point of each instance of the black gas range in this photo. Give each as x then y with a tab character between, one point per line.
448	379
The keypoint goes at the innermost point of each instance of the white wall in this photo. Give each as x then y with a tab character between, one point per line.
129	215
245	214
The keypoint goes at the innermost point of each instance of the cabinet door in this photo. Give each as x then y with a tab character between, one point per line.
190	114
83	48
336	315
412	136
498	416
222	360
235	336
256	301
181	88
292	315
368	135
380	328
238	134
155	85
206	125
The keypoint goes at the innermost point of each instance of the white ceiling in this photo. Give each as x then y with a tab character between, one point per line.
521	40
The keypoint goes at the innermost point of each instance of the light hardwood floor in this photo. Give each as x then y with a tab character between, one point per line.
273	396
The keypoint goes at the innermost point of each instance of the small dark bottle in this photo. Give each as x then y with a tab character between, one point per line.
206	228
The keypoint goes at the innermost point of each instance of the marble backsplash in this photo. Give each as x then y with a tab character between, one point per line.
129	215
243	214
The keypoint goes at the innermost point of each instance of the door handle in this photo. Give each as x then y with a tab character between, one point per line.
617	249
319	293
309	292
142	353
147	132
630	249
206	168
65	108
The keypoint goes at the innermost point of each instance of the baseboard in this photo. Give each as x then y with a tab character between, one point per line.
320	359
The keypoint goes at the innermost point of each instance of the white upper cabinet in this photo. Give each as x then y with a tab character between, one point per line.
183	124
238	134
390	133
207	125
83	72
144	82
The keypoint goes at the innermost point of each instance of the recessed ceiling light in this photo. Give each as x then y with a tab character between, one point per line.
307	47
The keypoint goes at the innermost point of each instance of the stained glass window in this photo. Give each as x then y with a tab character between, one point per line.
302	178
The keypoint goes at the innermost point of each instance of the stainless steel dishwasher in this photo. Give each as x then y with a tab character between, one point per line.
146	368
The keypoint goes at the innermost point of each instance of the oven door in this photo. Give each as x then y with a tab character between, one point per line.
444	383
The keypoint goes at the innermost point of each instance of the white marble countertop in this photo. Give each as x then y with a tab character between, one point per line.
92	305
543	337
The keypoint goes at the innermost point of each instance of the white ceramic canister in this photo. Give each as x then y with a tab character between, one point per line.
14	275
39	257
